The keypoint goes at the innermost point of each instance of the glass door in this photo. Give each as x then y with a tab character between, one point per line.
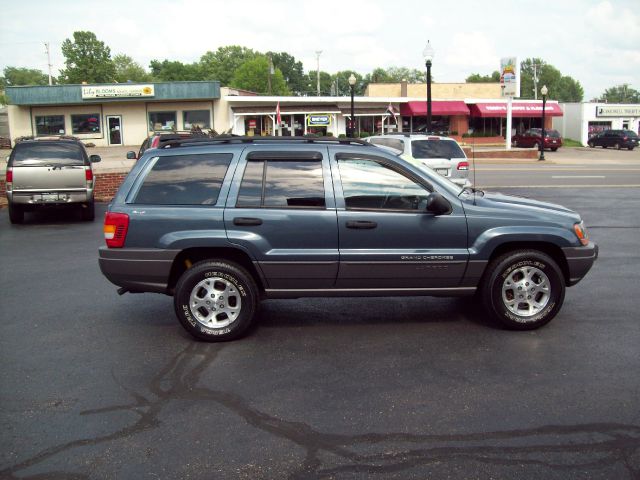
114	129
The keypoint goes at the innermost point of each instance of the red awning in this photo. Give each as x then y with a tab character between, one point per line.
438	107
519	109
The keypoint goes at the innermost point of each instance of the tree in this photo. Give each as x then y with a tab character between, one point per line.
477	78
291	69
128	70
222	64
561	88
312	83
254	75
87	59
398	74
341	82
23	76
170	71
621	94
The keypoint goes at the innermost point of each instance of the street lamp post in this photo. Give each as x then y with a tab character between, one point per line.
428	54
352	120
544	90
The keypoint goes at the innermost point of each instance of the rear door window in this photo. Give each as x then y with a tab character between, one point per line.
184	180
41	154
282	184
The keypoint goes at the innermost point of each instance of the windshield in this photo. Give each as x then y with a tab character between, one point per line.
37	154
436	149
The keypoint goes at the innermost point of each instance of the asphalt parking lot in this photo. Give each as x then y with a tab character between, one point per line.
97	386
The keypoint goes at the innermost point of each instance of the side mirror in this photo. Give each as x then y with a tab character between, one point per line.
437	204
131	155
94	158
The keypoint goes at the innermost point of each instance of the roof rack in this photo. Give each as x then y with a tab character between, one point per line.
46	137
220	139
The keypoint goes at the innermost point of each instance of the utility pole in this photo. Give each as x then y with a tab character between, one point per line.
318	52
535	80
48	50
271	72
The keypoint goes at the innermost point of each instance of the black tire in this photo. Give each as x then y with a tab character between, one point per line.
514	143
591	145
16	214
232	285
617	146
631	149
554	149
604	146
88	211
501	283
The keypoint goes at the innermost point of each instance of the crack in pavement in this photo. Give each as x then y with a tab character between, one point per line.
596	445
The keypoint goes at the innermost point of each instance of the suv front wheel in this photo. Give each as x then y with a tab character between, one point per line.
523	289
216	301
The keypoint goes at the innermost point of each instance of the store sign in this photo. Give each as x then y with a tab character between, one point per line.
617	111
117	91
318	120
510	77
253	123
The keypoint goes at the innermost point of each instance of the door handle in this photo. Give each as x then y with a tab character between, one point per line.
247	222
361	224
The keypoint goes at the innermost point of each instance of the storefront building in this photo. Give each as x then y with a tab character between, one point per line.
584	120
125	114
111	114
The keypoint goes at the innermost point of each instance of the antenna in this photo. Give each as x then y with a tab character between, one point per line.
473	162
48	51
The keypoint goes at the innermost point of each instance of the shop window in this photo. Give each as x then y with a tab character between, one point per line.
185	180
162	121
85	123
196	119
50	125
293	184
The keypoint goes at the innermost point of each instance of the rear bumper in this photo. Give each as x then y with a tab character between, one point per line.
54	197
137	269
580	260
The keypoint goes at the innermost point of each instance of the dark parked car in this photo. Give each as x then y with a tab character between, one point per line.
615	139
221	223
49	172
160	139
533	138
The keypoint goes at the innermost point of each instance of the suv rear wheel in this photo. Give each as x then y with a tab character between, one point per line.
216	300
89	211
16	213
523	289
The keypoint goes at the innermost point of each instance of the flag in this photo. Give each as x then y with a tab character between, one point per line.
392	112
278	119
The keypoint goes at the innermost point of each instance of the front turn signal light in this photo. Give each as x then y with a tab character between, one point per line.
581	233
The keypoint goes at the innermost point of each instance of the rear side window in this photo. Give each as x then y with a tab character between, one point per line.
436	149
38	154
282	184
185	180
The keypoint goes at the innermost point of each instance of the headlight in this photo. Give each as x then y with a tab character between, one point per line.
581	232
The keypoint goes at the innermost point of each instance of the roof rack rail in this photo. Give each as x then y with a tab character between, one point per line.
46	137
237	139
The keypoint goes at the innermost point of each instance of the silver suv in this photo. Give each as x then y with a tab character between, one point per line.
442	154
49	171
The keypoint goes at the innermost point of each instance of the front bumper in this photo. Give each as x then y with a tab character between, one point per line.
580	260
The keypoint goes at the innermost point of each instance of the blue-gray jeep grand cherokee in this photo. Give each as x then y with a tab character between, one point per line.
221	223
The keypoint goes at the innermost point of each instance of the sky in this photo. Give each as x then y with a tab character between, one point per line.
595	42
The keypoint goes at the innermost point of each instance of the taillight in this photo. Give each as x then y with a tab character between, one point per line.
155	142
115	229
88	174
625	138
9	177
463	166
